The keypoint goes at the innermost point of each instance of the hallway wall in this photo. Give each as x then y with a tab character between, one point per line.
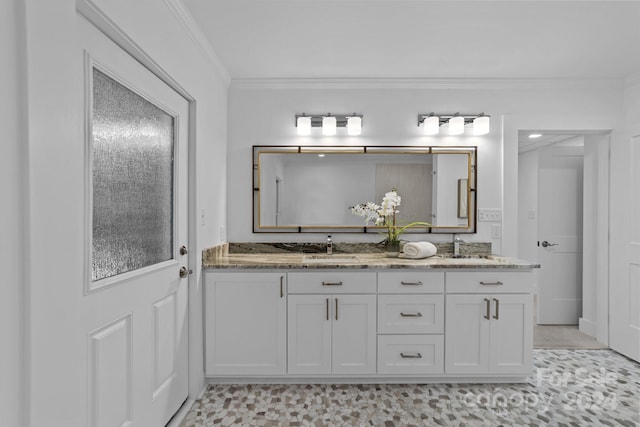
12	227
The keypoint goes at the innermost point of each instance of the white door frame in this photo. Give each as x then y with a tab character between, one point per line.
102	22
602	225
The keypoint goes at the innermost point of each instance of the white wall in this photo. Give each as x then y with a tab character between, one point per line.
56	178
262	113
12	230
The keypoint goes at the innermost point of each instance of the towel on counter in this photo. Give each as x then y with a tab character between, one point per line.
417	250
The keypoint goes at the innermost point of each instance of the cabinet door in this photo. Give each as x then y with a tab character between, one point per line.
309	331
354	334
511	334
467	334
245	324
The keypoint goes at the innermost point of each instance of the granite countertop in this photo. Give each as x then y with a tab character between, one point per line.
362	261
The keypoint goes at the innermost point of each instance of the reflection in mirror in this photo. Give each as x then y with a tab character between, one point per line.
307	189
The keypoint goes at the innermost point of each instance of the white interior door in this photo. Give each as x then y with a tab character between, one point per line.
560	235
624	333
135	303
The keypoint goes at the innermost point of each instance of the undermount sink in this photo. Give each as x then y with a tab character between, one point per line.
329	259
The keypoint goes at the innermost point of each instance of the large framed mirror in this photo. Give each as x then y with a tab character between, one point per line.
306	189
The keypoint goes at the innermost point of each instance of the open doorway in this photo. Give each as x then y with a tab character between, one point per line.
559	196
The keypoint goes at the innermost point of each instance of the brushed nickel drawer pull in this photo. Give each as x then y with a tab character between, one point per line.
327	308
497	315
281	286
336	308
488	315
331	284
411	283
496	283
418	314
411	356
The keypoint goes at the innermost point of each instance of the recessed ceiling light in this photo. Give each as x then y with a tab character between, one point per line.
535	135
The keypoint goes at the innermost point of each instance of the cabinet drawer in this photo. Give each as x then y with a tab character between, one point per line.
410	314
411	354
331	283
411	283
490	282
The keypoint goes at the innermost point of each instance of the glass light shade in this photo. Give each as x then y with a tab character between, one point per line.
354	125
328	126
456	125
481	125
431	125
304	125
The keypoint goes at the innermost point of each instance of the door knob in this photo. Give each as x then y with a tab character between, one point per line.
546	244
183	250
184	272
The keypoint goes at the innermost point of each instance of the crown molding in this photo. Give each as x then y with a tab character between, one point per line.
196	35
424	83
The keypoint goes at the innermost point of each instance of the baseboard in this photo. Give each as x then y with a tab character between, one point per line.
449	379
588	327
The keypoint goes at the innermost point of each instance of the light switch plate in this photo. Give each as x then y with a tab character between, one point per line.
489	215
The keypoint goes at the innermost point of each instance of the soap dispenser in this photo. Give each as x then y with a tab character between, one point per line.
329	245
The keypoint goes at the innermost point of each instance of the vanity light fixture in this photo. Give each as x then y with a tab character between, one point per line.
354	125
481	125
303	123
456	125
329	123
432	122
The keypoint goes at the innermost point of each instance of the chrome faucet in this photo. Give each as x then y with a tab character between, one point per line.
329	245
456	245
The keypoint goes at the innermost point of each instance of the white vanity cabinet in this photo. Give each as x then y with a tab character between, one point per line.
489	323
411	323
245	323
332	323
382	324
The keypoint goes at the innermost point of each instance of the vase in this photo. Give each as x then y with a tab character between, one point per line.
392	249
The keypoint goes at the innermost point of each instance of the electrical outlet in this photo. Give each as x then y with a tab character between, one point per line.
223	234
202	217
531	215
496	231
489	215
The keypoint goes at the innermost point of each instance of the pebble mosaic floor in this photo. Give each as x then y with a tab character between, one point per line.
568	388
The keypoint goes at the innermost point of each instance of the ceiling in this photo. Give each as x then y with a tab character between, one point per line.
257	39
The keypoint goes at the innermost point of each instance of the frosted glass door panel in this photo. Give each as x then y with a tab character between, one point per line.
132	157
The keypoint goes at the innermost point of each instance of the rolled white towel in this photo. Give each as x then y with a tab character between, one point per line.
417	250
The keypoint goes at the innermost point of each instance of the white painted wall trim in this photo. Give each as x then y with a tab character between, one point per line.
427	83
604	239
